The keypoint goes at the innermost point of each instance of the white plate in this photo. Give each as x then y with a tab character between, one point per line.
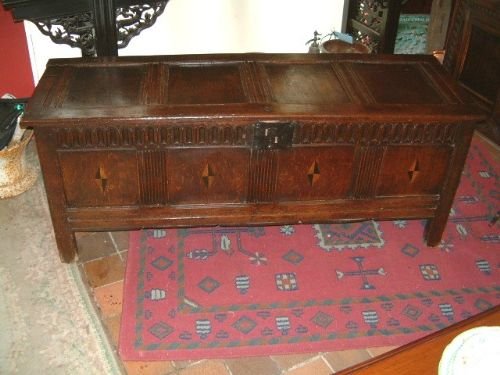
475	351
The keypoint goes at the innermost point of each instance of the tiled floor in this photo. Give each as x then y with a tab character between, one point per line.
102	259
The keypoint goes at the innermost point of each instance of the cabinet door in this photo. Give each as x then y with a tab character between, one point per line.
315	173
413	170
200	175
99	178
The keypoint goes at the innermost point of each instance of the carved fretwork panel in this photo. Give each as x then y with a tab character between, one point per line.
310	173
130	21
374	23
75	30
201	175
103	178
79	30
413	170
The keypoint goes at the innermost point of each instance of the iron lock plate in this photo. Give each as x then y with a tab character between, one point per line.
273	135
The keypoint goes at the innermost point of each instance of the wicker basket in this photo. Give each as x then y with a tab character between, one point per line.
16	176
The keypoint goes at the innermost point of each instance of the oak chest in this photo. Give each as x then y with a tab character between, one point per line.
248	139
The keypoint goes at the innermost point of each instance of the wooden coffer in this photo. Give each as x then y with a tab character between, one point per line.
248	139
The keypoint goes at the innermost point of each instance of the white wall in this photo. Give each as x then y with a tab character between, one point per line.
215	26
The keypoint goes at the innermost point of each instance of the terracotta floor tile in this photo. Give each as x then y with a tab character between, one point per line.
109	299
253	365
113	327
208	367
375	352
79	235
345	358
104	271
94	245
149	368
316	367
121	240
290	360
183	364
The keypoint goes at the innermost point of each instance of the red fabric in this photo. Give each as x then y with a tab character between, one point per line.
16	76
224	292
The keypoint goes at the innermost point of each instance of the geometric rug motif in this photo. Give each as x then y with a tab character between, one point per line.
225	292
350	235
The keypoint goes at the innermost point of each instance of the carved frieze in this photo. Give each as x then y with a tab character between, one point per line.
216	135
374	134
210	135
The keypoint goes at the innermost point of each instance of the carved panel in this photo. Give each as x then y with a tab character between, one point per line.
153	177
369	159
263	175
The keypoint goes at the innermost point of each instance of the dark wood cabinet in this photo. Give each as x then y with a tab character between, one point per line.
473	55
248	139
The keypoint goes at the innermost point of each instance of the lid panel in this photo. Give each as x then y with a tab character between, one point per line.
305	84
219	84
401	83
104	87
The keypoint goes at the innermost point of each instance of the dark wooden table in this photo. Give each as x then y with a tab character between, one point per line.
422	356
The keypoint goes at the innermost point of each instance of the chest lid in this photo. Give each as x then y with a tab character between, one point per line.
166	89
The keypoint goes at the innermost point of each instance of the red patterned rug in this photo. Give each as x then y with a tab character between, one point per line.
225	292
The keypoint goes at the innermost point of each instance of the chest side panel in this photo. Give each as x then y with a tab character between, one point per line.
315	173
100	178
412	170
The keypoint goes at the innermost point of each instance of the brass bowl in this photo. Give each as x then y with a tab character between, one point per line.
339	46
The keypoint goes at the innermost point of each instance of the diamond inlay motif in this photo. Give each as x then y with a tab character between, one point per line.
101	178
313	173
414	171
208	175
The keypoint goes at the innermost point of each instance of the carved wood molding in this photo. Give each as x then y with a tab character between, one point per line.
216	135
